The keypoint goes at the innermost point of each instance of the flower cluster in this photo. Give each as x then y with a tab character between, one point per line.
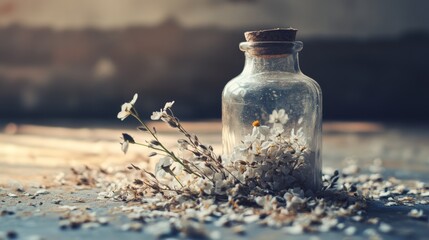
272	159
269	158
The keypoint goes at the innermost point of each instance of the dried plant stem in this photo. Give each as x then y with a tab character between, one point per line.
135	114
210	156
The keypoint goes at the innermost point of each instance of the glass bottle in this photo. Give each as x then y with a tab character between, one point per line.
272	91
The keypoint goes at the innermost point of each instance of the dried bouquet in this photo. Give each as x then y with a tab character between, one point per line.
268	161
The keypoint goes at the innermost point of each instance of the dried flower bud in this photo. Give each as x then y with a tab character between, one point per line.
135	167
151	174
142	128
336	173
154	142
138	182
242	162
172	123
128	138
182	141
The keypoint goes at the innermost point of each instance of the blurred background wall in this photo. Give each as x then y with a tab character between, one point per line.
84	58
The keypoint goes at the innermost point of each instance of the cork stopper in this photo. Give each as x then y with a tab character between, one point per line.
271	35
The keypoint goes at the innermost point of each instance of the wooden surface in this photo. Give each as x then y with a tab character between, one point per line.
32	155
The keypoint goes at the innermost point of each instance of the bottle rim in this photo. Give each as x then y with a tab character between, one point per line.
271	47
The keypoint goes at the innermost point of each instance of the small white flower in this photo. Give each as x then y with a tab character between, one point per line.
258	146
157	115
279	117
298	137
260	132
162	164
271	148
205	185
247	143
277	130
162	114
168	105
126	108
298	134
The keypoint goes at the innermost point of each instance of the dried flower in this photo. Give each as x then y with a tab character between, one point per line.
162	165
168	105
162	114
261	181
278	117
260	131
157	115
126	108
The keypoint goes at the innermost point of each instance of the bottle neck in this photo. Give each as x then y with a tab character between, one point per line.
262	57
271	63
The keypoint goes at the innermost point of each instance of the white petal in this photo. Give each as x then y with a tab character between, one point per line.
168	105
156	115
264	130
134	99
127	107
165	161
284	119
275	114
124	107
272	118
300	133
265	145
255	132
124	146
281	113
277	129
158	166
243	148
292	133
122	115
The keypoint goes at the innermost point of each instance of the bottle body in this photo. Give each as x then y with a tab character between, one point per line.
272	92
